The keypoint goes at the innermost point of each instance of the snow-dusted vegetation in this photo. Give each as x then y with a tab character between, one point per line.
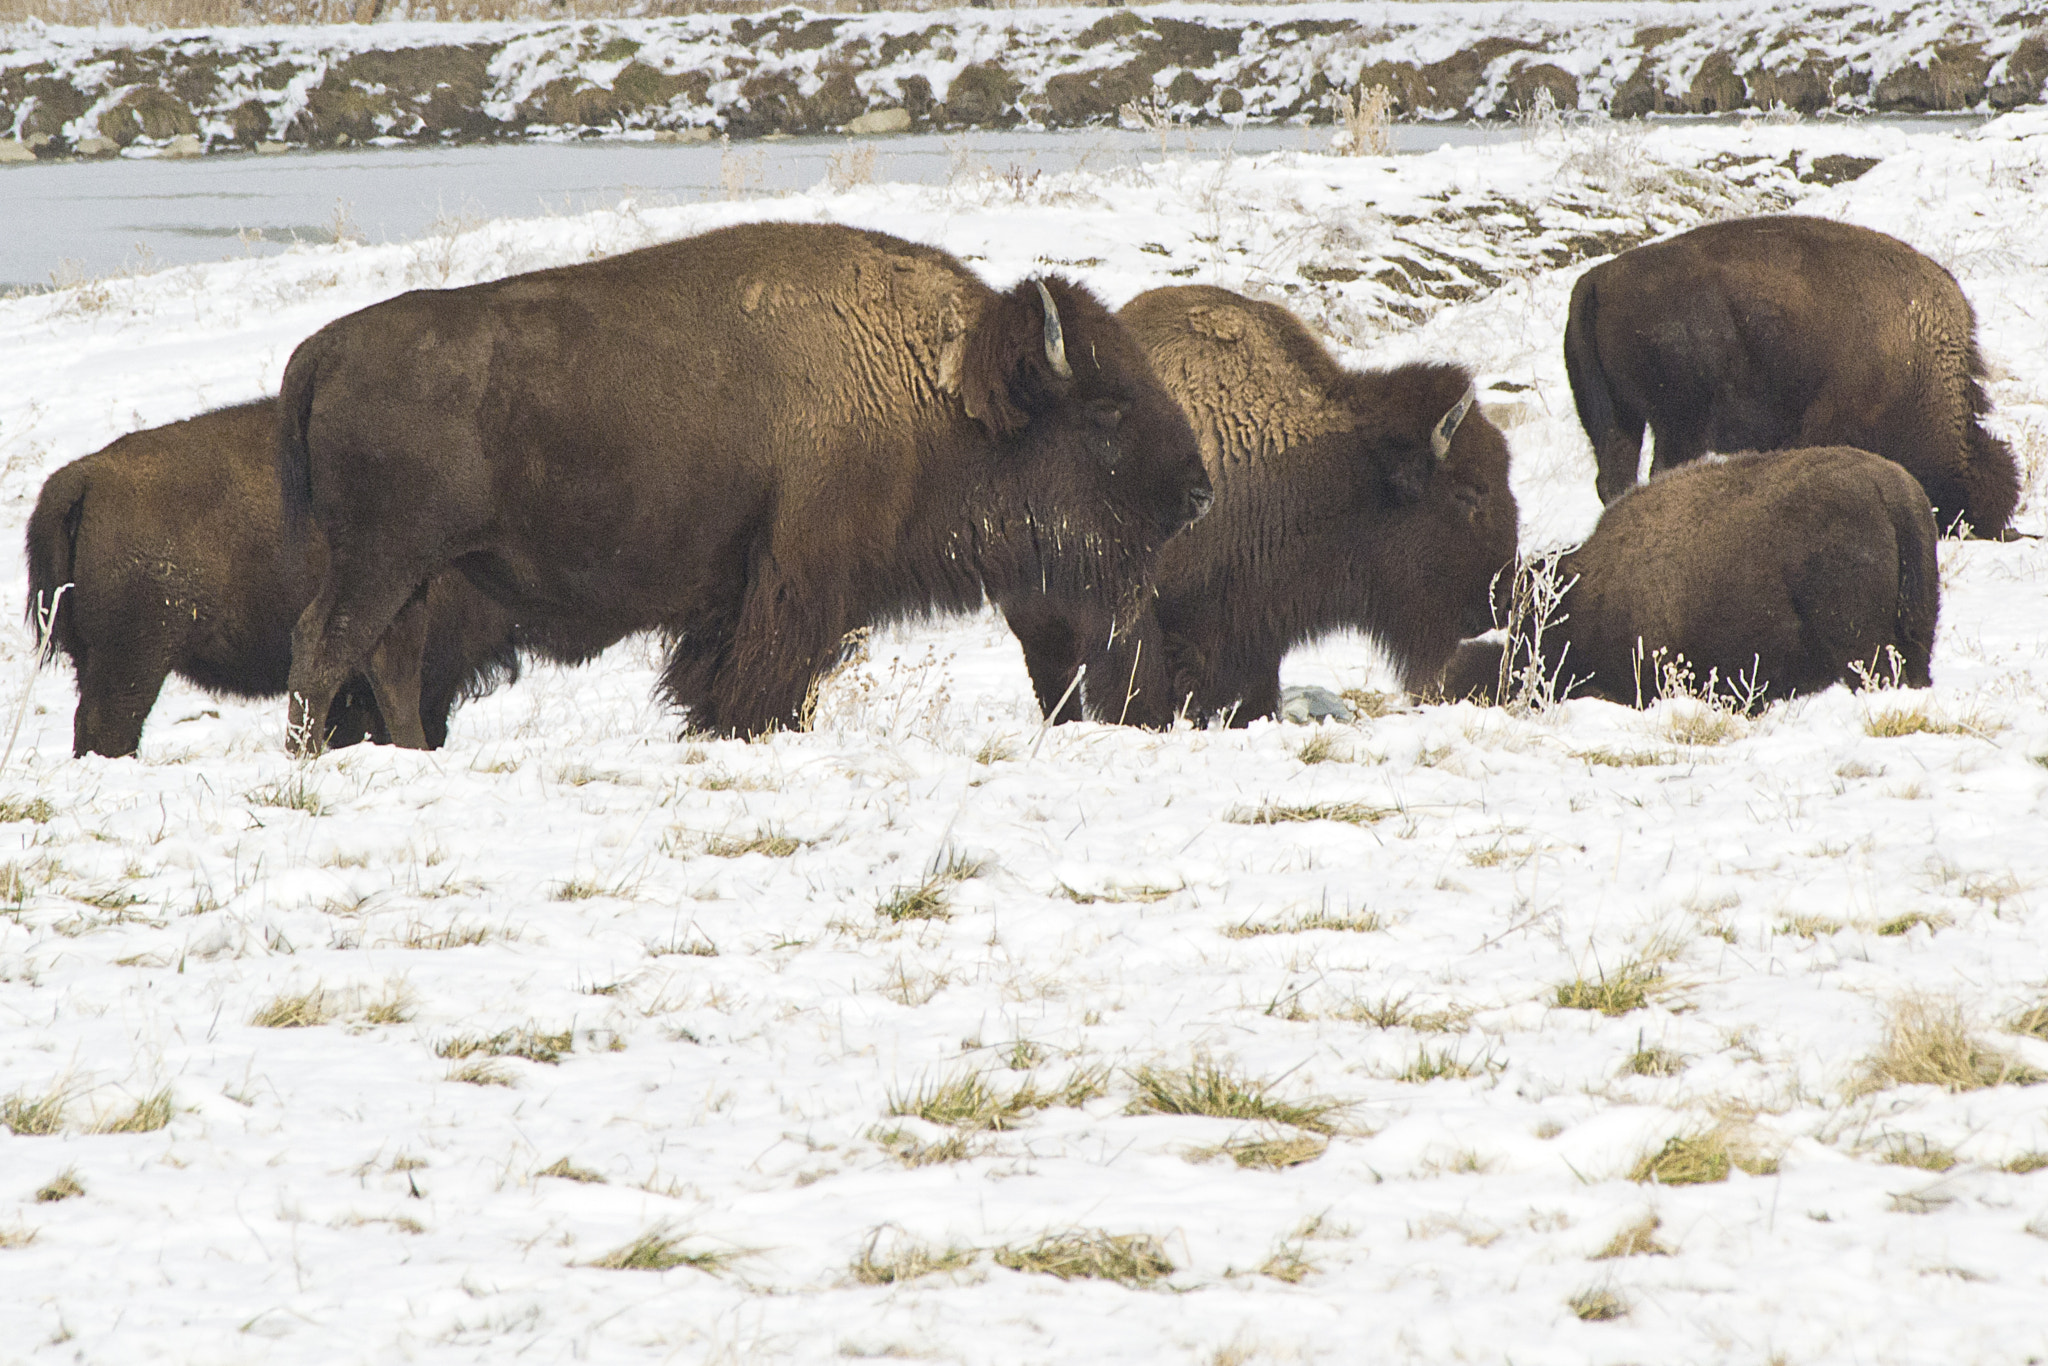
1555	1035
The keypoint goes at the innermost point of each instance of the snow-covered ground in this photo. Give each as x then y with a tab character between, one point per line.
555	1007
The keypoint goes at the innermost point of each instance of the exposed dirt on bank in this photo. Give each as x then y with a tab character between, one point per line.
82	91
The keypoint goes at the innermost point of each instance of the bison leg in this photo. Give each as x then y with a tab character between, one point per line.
114	698
395	675
1618	451
785	637
1052	655
335	637
354	718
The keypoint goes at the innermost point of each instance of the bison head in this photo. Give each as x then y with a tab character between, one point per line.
1431	476
1099	453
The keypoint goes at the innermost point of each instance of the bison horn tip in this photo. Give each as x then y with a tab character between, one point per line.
1447	426
1055	338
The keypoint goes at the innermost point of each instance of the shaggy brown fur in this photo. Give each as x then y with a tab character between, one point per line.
1782	572
754	441
172	543
1770	333
1332	510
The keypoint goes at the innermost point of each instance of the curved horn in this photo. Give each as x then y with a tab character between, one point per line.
1447	425
1055	339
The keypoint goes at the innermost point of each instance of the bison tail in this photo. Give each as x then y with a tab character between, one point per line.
1916	536
1582	365
1990	477
52	554
294	413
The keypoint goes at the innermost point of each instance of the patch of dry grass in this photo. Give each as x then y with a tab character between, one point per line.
1628	987
1653	1062
970	1100
1598	1305
1623	758
1702	1158
1206	1087
1928	1042
1916	1150
1322	747
146	1116
1274	813
2026	1164
565	1170
35	1116
1301	922
64	1186
1911	920
1893	721
531	1044
1118	895
931	897
483	1072
296	1010
418	935
1395	1012
1133	1259
1269	1152
2032	1021
767	841
659	1249
1810	926
33	809
912	1151
1444	1064
1637	1240
906	1260
395	1006
19	1235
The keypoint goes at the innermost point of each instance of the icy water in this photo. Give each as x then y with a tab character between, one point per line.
67	221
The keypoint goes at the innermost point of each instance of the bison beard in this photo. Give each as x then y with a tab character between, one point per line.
1786	572
171	543
1371	500
753	441
1768	333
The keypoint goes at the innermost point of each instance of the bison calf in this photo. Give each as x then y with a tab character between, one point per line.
1769	333
1376	500
172	543
753	441
1768	576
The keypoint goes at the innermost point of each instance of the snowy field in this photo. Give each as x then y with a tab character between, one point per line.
1587	1035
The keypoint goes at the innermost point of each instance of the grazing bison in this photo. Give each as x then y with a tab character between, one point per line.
753	441
1769	333
1377	500
1770	575
172	543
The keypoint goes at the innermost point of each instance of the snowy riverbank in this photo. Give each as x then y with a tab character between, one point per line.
85	91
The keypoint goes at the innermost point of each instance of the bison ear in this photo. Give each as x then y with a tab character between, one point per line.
1015	359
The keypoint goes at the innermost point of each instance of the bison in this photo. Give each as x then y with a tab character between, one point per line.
1755	577
1377	500
754	441
1768	333
173	547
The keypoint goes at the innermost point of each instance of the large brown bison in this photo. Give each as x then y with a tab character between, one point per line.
172	546
753	441
1377	500
1770	333
1760	576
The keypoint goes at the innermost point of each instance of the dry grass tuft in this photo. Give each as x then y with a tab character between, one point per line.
660	1250
1362	922
1350	813
395	1006
769	841
1598	1305
457	936
35	1116
930	898
1927	1042
1653	1061
483	1072
1617	758
146	1116
967	1101
1896	722
1637	1240
906	1260
1133	1259
2032	1021
1271	1152
1629	988
20	1235
997	749
912	1151
1394	1012
1444	1064
1915	1150
1322	748
2027	1163
1911	920
1117	895
66	1186
1205	1087
296	1010
1702	1158
1367	117
1809	926
563	1169
1289	1263
531	1044
37	810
